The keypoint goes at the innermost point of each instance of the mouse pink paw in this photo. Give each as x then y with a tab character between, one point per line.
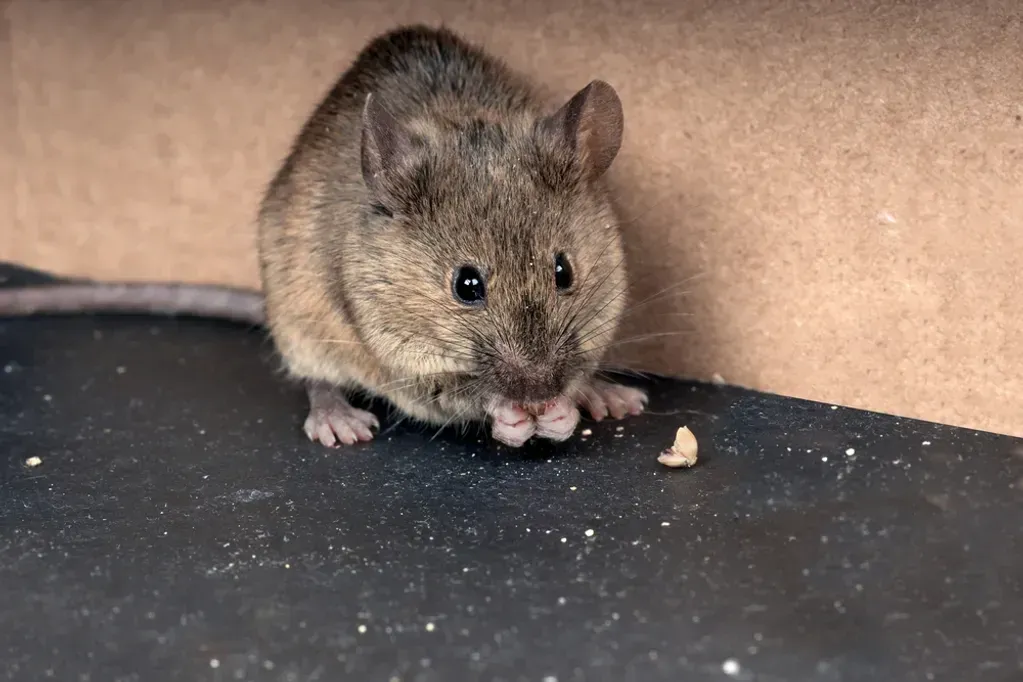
558	420
333	421
512	426
602	398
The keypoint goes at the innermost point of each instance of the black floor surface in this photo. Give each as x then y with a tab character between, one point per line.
180	527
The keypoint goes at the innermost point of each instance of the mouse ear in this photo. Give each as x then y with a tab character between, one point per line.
591	124
386	150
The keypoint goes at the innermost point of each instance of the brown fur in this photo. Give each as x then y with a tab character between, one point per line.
363	300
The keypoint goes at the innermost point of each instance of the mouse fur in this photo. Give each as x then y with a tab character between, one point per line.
426	156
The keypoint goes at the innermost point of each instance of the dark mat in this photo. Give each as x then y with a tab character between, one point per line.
180	527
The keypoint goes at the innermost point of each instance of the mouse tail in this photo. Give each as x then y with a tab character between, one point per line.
135	298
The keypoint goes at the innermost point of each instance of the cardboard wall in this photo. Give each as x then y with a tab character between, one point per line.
833	187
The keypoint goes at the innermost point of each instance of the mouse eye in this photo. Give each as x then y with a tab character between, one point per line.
563	278
468	286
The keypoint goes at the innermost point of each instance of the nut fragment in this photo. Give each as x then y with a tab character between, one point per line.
683	451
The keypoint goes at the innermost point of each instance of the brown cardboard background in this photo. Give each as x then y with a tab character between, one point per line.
840	183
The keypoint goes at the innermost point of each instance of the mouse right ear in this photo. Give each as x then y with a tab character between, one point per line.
387	149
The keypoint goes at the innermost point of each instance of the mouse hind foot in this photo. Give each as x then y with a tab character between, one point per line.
602	399
333	421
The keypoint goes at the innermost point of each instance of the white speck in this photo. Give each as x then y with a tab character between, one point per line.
788	449
615	616
824	458
287	565
586	432
717	379
927	442
550	678
619	428
886	217
465	569
214	663
834	407
430	627
268	664
33	461
850	451
572	488
564	539
47	397
589	532
665	524
362	629
731	667
8	368
561	601
121	369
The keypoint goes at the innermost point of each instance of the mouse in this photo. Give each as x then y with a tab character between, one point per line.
438	236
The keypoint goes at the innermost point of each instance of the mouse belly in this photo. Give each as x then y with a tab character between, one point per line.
330	371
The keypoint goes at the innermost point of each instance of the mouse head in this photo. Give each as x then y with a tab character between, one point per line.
491	247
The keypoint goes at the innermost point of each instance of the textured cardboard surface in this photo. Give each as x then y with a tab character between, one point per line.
836	186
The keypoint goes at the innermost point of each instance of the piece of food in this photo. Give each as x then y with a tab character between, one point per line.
33	462
683	451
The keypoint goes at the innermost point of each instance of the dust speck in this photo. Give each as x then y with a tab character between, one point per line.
850	451
214	663
362	629
430	627
731	667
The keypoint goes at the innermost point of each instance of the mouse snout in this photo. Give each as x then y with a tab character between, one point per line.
529	383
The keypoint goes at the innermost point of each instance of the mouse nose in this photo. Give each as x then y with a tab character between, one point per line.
531	382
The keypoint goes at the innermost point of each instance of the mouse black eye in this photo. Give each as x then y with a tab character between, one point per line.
563	278
468	286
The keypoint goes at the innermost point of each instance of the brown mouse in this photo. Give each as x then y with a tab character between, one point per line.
439	238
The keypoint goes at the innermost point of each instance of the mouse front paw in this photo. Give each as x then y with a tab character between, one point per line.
333	421
602	399
512	426
558	420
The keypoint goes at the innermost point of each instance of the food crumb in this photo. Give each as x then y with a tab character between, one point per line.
730	667
589	532
33	461
683	451
587	432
